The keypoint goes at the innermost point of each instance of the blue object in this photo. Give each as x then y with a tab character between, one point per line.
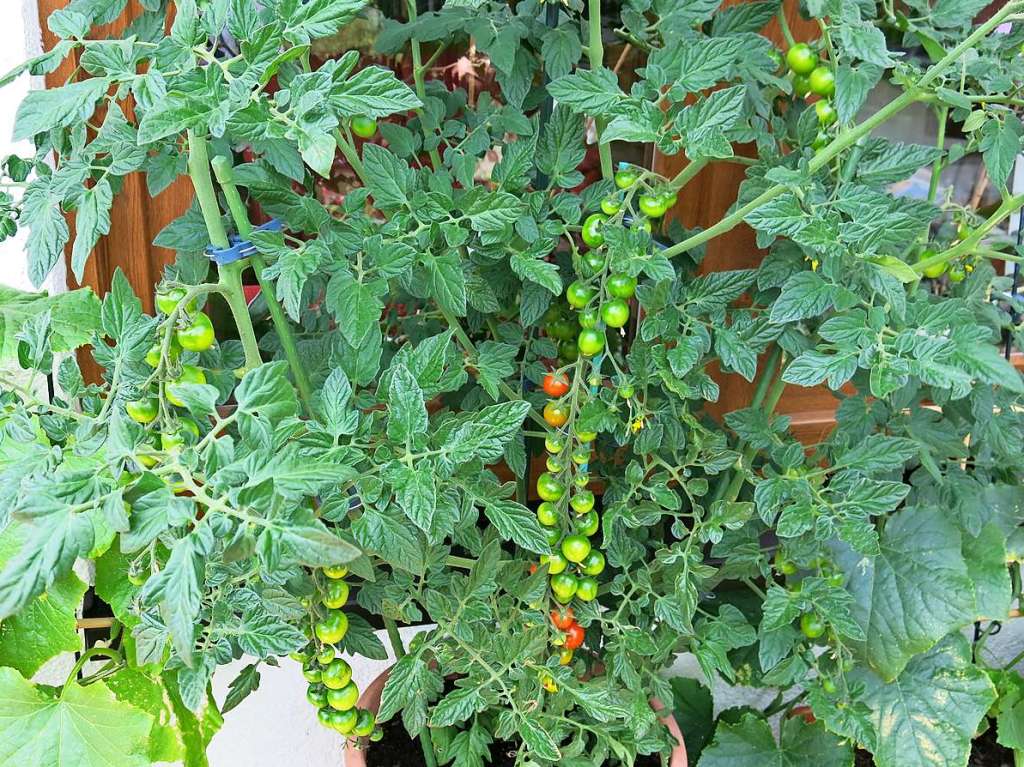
240	248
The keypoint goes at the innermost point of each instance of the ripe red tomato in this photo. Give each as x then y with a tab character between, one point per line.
563	619
574	636
556	384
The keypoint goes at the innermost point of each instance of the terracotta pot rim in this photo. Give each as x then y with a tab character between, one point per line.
356	757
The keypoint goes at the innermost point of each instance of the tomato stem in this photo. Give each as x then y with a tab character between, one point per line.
426	742
595	53
421	90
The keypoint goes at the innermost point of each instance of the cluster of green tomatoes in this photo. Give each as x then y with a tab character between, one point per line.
331	689
193	332
955	271
812	76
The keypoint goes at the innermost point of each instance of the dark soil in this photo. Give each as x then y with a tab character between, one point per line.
985	752
397	749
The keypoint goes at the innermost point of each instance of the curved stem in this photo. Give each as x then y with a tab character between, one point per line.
349	151
95	652
1006	208
231	282
595	53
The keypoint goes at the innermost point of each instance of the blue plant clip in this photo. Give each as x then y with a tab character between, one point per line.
240	248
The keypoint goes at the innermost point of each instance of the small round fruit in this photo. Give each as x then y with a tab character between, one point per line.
565	657
574	637
563	586
556	563
167	300
556	384
364	127
316	694
549	488
626	177
582	502
325	656
311	673
324	715
332	628
802	59
594	563
626	391
142	410
377	735
823	81
593	262
582	479
153	356
615	313
553	535
621	286
335	571
554	444
335	594
365	722
588	317
549	684
801	85
586	436
174	440
590	342
575	547
935	270
835	580
828	686
669	198
578	295
547	514
554	464
562	329
611	205
963	230
568	351
588	524
336	674
343	721
652	206
811	625
591	233
783	565
343	698
555	414
957	273
190	374
826	112
586	589
198	336
563	618
642	223
581	456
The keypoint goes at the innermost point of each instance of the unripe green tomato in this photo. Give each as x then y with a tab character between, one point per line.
553	535
783	565
588	317
826	112
593	262
581	456
963	230
343	698
651	205
364	127
549	488
174	440
611	205
587	524
626	177
582	501
335	594
594	563
190	374
621	286
578	295
563	586
626	391
167	300
590	342
835	580
586	436
335	571
776	57
316	694
556	563
820	141
563	329
547	514
377	735
591	232
554	464
343	721
575	548
325	656
811	625
586	589
365	724
332	628
801	85
935	270
142	410
642	223
802	59
567	351
823	81
615	313
198	335
336	674
311	673
957	273
554	444
324	715
582	479
828	686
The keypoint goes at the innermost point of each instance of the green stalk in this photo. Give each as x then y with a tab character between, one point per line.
940	143
595	54
223	170
846	139
1006	208
345	145
733	492
683	177
417	77
395	638
230	274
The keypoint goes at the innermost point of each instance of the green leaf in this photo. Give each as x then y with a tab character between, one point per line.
388	178
266	390
515	522
48	229
241	687
74	317
913	593
560	50
447	281
494	362
46	109
84	727
416	494
407	414
750	743
305	21
177	589
263	635
355	306
930	714
373	92
592	91
804	295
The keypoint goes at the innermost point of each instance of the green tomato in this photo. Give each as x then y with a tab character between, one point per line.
611	205
625	177
586	589
591	233
642	223
174	440
556	563
621	286
190	374
167	300
587	524
325	656
335	571
549	488
343	721
588	317
828	686
377	735
554	445
593	262
562	329
626	391
575	548
593	564
332	628
582	479
142	410
336	674
826	112
652	206
823	81
563	586
963	230
811	625
316	694
801	85
198	336
364	127
582	502
578	295
957	273
553	535
311	673
783	565
547	514
935	270
615	313
820	141
835	580
802	59
335	594
590	342
324	715
568	351
581	456
586	436
364	724
343	698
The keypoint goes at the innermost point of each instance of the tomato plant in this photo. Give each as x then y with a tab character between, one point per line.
481	392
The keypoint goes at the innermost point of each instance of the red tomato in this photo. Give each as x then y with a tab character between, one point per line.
556	385
563	619
574	636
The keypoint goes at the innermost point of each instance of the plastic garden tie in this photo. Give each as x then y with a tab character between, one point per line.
240	248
